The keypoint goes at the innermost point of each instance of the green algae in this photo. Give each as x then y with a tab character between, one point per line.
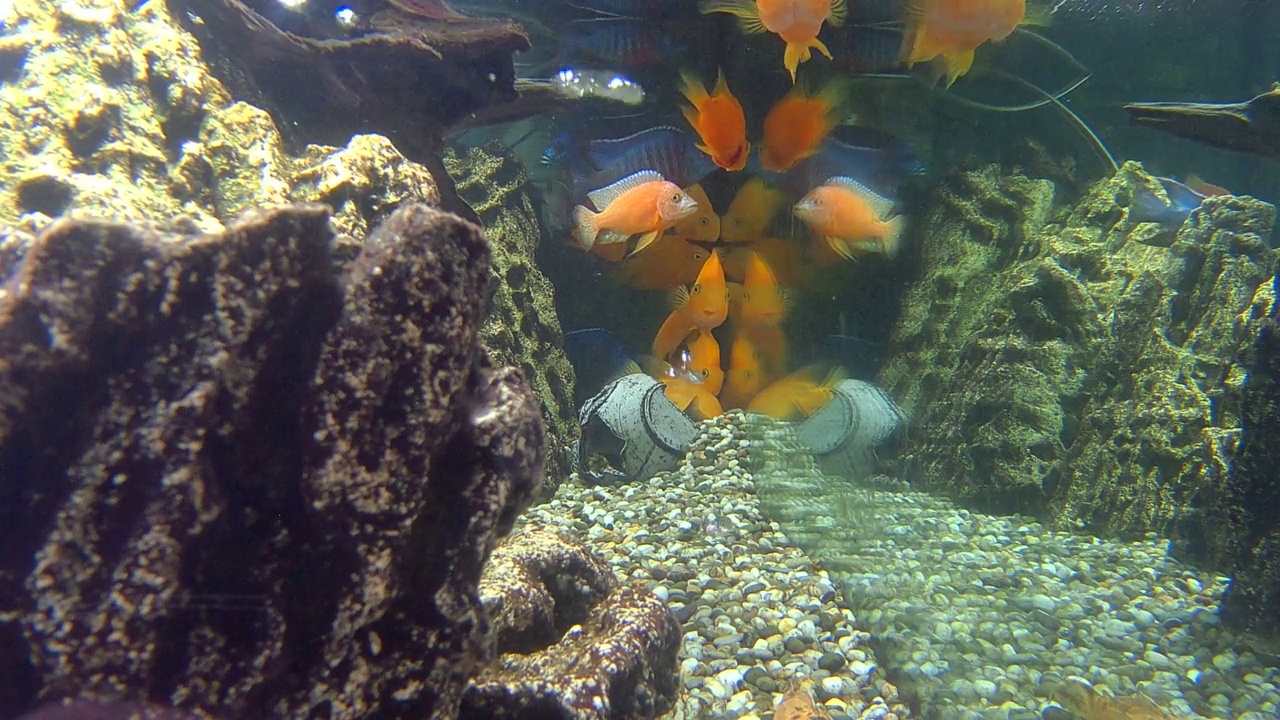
1072	365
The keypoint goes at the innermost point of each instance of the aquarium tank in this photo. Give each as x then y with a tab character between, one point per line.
639	360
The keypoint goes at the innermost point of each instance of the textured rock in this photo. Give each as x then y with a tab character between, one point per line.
103	101
240	480
1081	369
122	119
573	642
538	584
522	328
1239	520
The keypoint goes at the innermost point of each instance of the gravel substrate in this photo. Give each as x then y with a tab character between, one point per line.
758	613
975	615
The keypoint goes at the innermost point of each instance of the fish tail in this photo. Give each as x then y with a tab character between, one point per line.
584	226
745	10
891	242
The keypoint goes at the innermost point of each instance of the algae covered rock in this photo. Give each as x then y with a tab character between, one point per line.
99	99
242	481
1081	368
522	328
573	642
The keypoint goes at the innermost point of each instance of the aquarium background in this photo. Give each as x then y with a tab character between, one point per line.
314	405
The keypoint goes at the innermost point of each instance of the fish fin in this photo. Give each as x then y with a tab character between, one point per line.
722	85
839	11
956	64
692	115
630	367
913	10
745	10
892	240
880	205
840	247
795	54
821	47
584	227
605	196
645	241
673	331
679	297
611	237
692	89
1037	15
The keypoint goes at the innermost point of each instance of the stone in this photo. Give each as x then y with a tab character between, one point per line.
191	418
572	641
537	585
522	327
1075	367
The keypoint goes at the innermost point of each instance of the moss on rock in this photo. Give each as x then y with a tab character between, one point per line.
522	328
1080	368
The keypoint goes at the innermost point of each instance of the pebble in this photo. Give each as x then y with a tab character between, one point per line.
987	613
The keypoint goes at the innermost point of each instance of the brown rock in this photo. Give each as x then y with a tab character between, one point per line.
572	642
237	480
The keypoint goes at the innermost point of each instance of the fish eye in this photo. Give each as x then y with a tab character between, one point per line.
706	372
676	197
697	289
704	221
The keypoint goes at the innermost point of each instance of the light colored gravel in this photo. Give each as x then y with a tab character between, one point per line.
758	613
975	615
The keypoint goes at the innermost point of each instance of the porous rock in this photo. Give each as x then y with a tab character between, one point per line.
1079	367
573	643
111	111
241	478
521	326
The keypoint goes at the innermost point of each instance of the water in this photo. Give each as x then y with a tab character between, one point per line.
946	391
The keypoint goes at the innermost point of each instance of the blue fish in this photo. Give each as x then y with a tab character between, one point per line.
627	44
597	357
1149	207
876	160
667	150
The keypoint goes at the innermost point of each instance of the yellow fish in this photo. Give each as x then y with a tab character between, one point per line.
750	212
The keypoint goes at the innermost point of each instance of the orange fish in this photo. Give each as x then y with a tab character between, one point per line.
951	30
643	203
704	361
750	212
744	377
797	395
701	226
797	124
762	302
718	120
785	257
851	218
702	307
797	22
685	390
670	262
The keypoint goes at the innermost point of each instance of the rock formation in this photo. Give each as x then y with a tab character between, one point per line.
1080	368
521	327
573	643
243	478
